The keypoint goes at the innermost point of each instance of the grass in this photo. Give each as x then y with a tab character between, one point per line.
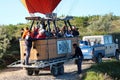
108	70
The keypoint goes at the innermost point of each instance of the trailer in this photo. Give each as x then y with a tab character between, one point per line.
56	66
48	53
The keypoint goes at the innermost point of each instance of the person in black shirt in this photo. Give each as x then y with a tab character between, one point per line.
75	31
78	54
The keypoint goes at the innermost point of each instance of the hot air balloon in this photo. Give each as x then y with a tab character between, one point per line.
40	6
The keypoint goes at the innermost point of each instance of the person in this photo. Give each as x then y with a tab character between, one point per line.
68	34
28	43
78	54
64	29
35	31
53	33
75	31
89	43
41	34
26	30
58	32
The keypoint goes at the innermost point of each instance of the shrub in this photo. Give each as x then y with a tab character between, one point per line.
16	54
106	70
8	58
2	64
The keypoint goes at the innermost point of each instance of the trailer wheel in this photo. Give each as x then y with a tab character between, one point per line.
61	70
117	55
99	58
36	72
29	72
54	70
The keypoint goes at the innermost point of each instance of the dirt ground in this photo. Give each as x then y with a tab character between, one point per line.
70	73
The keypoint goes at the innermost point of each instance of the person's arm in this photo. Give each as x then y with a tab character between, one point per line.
23	35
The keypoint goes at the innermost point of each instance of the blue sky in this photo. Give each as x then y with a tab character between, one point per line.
13	12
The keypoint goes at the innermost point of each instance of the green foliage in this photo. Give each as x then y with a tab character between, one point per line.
12	31
2	64
81	21
94	76
8	59
4	40
9	39
103	24
106	70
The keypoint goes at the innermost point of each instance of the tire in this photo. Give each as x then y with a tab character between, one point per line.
54	70
36	72
98	59
117	55
29	72
61	70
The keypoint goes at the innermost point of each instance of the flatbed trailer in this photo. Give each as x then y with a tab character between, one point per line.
56	66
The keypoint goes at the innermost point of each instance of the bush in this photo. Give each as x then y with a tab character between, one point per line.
8	58
107	70
92	75
16	54
2	64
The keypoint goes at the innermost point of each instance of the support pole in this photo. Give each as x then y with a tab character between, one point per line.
66	26
69	24
55	27
31	25
48	23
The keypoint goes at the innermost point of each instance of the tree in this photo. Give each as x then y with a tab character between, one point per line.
103	24
4	40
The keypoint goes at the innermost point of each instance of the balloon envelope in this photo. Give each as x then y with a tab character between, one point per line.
41	6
